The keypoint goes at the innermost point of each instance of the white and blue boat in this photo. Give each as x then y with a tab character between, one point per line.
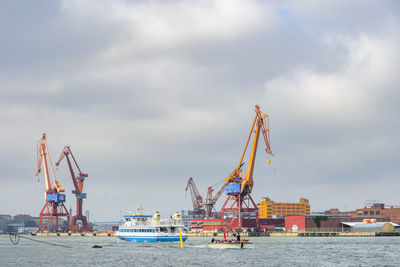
148	228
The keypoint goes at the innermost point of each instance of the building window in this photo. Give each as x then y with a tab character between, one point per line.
365	212
371	212
377	212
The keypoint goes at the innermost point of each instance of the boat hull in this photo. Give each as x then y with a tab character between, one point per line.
152	238
230	245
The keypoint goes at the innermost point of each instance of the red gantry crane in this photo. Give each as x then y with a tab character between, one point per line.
239	204
79	221
54	207
203	207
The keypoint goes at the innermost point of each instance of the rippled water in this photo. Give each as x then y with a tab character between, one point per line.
268	251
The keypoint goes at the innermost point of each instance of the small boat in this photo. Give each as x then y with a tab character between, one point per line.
139	228
231	244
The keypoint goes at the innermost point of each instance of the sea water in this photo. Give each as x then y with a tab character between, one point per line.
268	251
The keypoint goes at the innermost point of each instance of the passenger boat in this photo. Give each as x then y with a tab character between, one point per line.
148	228
231	244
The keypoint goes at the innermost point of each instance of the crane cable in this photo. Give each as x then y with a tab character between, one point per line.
15	239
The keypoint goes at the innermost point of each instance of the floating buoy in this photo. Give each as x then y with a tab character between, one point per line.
180	237
269	162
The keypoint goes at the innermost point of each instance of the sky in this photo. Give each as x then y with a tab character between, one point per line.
150	93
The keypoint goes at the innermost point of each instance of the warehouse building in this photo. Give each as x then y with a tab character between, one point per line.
268	208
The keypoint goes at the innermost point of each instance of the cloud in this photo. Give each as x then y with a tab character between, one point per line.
149	93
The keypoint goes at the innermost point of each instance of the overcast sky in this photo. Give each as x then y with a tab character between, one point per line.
150	93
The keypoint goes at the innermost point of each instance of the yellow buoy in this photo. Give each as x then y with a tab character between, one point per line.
180	237
269	161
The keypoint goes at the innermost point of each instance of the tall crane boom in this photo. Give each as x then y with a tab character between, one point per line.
219	193
44	157
77	180
54	201
261	124
197	200
262	121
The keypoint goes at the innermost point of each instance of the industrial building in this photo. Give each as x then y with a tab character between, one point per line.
322	222
214	225
375	210
268	208
186	217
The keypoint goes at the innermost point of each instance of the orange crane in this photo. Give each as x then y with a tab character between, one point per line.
79	221
54	206
239	188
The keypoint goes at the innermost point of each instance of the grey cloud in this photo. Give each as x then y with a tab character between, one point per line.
147	96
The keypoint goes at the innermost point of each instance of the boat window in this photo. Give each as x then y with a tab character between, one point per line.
163	229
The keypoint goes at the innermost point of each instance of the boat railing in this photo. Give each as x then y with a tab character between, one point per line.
153	223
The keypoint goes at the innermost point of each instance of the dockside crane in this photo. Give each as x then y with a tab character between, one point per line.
197	200
79	221
210	201
54	207
239	202
203	207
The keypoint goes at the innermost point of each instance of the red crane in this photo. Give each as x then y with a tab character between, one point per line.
78	192
203	207
209	202
54	206
197	200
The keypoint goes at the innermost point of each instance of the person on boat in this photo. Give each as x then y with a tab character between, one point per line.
212	240
238	237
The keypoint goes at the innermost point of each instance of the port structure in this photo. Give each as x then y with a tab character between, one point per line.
203	207
210	201
239	203
197	200
54	207
79	221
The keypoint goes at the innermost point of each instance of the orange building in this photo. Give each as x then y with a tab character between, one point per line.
267	208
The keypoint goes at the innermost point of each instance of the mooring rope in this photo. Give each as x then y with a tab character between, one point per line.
13	238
